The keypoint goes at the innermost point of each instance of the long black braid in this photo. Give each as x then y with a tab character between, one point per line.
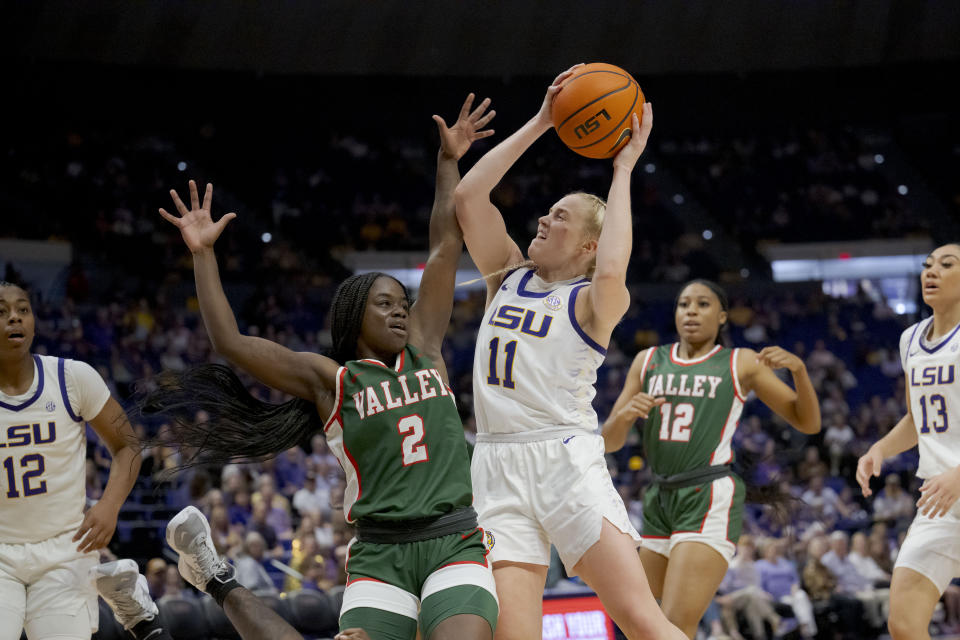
242	427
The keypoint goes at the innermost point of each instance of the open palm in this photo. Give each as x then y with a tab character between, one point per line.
196	225
455	140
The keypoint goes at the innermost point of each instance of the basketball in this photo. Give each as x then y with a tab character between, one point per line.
591	113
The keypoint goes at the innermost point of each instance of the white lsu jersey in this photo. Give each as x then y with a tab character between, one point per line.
534	367
933	374
43	446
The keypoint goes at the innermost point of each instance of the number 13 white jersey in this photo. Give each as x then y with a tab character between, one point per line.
534	367
933	375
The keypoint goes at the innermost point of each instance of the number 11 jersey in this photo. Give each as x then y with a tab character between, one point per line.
535	367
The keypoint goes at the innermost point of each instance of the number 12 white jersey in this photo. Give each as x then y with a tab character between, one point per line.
933	375
43	447
534	367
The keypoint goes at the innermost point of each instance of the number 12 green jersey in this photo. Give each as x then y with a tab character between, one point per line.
694	428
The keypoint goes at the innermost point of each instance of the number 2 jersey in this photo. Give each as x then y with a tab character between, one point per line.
397	433
931	369
535	367
694	428
43	448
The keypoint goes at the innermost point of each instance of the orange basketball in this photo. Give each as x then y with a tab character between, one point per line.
592	111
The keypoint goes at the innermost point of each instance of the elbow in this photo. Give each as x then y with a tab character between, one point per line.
225	346
809	427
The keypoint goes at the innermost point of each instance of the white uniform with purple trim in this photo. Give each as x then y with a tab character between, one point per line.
932	545
45	584
539	475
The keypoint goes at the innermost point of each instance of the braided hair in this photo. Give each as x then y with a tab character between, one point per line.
242	427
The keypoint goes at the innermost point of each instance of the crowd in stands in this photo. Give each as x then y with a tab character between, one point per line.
810	185
288	509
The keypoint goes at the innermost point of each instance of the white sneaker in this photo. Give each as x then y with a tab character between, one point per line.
125	590
189	535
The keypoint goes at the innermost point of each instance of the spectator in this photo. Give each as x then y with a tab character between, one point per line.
174	586
811	465
865	564
278	507
741	593
156	575
853	583
251	572
820	583
893	504
821	498
310	498
259	524
240	511
779	578
837	438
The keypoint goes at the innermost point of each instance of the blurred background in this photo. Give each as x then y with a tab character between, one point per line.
806	155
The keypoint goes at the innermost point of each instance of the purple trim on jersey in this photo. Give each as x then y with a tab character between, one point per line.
533	294
62	375
571	310
20	407
943	342
906	356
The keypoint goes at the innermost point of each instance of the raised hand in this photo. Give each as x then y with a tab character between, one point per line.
544	115
939	493
455	140
868	466
196	225
640	133
640	406
777	358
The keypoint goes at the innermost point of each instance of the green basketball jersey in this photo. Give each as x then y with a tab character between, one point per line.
398	436
694	427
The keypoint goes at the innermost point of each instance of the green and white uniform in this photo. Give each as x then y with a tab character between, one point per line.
687	442
398	436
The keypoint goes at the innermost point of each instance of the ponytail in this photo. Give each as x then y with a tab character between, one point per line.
241	428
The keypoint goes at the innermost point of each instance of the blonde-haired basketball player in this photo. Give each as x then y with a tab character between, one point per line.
47	545
930	351
539	474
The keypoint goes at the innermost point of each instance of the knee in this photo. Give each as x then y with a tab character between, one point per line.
903	627
682	615
639	626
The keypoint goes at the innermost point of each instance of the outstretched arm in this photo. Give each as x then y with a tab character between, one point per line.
607	296
799	407
483	227
430	315
305	375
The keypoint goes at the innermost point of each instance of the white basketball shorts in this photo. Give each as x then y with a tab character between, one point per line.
557	490
46	588
932	548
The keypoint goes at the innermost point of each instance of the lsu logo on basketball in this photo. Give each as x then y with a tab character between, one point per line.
590	125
